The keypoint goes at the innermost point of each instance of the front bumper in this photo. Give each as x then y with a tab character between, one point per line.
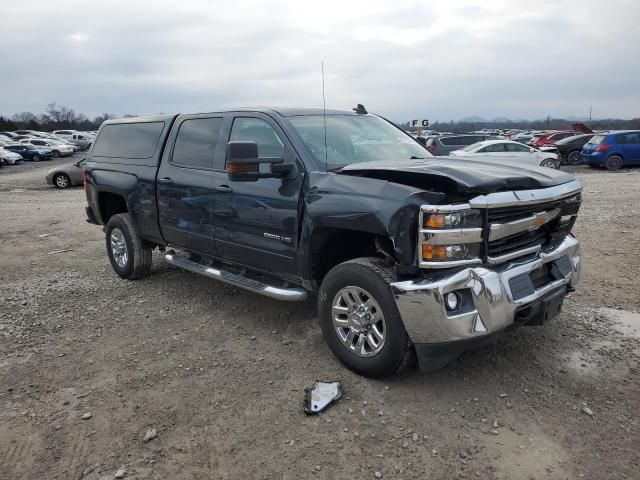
495	296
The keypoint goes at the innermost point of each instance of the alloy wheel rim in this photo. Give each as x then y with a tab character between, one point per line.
119	247
61	181
358	321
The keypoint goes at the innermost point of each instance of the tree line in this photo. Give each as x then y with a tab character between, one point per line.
55	117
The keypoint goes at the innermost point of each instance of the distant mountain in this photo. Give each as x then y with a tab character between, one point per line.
473	119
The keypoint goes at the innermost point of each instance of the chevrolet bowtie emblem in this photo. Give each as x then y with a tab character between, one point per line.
542	218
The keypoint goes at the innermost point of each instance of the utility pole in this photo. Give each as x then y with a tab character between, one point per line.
590	109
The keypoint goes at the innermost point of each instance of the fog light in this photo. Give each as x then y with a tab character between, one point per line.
451	301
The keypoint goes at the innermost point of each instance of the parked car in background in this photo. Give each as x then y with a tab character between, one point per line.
82	141
31	152
8	134
64	133
8	157
509	150
443	144
57	147
66	176
612	150
549	138
569	148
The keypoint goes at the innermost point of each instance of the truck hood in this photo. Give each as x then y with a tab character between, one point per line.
459	175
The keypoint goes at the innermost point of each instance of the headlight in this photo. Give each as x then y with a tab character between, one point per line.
450	235
464	218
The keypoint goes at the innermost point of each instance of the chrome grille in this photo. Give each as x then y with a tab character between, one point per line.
524	229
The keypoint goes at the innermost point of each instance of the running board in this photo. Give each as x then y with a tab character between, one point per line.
295	294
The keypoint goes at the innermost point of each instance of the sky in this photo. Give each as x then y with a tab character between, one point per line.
405	59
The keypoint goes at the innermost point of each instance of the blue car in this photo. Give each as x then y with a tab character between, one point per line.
612	150
31	152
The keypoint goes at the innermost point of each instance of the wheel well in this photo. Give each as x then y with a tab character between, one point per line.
331	247
110	204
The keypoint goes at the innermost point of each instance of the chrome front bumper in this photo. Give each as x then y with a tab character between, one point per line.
427	321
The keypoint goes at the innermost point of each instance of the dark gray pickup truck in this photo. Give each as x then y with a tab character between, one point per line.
410	256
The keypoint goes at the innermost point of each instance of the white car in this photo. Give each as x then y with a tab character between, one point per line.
58	147
510	151
9	158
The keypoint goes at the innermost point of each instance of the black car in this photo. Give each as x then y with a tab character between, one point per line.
569	148
31	152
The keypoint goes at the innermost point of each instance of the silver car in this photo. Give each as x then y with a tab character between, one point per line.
66	176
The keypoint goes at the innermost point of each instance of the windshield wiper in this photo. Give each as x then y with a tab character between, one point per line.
413	157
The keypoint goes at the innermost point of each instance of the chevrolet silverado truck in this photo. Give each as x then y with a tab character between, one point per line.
411	257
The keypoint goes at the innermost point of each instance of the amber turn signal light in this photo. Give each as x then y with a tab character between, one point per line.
436	253
435	220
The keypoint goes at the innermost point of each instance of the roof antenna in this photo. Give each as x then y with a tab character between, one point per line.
360	110
324	118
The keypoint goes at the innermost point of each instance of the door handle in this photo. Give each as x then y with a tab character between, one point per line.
165	180
223	189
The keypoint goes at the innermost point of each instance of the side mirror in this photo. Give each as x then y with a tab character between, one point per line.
243	163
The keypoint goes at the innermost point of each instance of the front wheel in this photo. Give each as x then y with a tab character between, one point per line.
128	255
61	180
549	163
56	154
36	158
360	321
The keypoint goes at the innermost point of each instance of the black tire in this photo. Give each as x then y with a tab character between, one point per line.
573	158
139	256
549	163
36	158
614	162
62	180
397	352
56	154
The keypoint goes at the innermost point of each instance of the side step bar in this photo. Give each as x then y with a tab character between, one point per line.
294	294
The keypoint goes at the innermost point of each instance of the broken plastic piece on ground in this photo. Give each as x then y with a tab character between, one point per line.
318	398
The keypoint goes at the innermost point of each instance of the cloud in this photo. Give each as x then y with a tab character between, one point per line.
441	59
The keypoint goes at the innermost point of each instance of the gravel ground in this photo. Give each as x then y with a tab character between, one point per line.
90	363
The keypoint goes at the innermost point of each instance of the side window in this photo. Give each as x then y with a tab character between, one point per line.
495	148
257	130
515	147
196	142
621	139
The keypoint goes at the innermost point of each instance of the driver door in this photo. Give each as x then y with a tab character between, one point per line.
256	221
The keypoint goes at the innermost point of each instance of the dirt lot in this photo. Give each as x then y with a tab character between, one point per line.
219	373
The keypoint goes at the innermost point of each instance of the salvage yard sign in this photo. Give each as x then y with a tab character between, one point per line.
419	123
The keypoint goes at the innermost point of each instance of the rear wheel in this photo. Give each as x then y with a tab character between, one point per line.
36	158
56	154
360	321
62	180
614	162
574	157
129	256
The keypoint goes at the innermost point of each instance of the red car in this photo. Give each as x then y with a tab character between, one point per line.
548	139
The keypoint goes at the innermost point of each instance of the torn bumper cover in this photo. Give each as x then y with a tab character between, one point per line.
488	302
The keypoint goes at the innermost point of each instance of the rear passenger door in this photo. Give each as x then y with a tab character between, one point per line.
186	183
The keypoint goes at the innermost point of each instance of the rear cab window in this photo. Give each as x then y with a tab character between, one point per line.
128	140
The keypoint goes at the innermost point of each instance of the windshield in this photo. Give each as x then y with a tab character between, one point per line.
354	139
597	139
